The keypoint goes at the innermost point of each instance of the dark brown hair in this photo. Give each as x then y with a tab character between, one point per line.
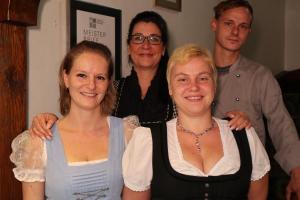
108	102
153	17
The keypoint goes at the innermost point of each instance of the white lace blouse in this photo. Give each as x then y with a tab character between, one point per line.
29	153
137	159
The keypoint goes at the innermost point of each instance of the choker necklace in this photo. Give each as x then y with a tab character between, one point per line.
196	135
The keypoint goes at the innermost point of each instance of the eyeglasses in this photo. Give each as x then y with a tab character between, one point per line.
152	39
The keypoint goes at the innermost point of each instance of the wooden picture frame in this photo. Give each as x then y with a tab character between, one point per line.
170	4
99	24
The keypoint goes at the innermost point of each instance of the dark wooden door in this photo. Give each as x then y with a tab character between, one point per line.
15	16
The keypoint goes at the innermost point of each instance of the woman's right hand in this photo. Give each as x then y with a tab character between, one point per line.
41	125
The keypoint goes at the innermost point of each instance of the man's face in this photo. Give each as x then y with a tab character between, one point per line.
232	28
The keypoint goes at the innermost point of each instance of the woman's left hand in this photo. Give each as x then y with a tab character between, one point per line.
239	120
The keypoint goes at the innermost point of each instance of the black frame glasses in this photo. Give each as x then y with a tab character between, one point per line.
140	38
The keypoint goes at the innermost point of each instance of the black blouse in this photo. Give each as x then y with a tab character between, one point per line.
157	105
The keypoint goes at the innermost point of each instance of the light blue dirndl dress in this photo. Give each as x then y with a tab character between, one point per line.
90	181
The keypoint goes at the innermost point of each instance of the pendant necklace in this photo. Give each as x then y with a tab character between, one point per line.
195	134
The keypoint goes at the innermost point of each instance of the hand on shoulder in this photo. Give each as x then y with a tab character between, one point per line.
41	125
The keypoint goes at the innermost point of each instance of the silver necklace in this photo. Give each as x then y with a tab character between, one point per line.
196	134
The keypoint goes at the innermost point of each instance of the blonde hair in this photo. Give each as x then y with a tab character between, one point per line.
185	53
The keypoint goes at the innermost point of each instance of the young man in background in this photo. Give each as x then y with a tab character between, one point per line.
250	87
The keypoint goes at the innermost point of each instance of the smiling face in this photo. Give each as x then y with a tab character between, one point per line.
87	81
145	55
192	87
232	28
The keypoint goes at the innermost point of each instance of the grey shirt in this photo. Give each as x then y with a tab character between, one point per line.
252	88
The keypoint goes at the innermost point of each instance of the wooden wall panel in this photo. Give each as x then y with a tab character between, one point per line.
15	15
13	89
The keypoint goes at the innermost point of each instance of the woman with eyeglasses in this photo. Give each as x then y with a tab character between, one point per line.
145	92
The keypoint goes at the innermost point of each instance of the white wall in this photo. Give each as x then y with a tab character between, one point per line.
48	41
292	35
46	48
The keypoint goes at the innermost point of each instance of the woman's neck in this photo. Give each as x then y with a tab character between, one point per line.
83	120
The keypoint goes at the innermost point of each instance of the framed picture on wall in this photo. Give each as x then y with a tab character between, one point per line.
99	24
170	4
